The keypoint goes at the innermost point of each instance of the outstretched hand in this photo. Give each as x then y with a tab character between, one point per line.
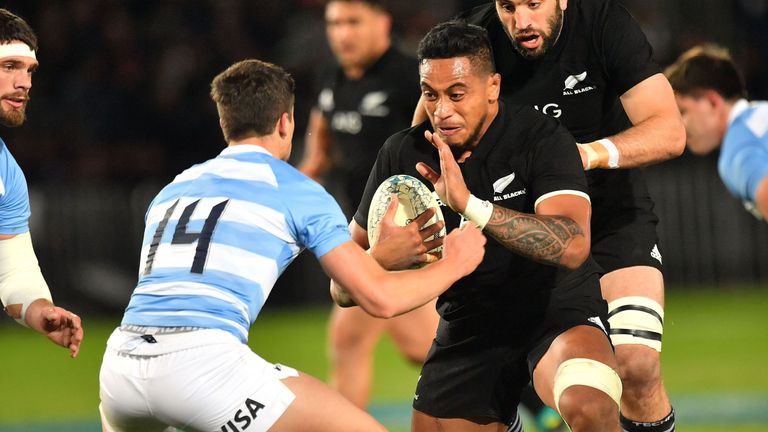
449	184
59	325
400	247
465	248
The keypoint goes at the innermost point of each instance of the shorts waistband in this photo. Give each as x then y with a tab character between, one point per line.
157	330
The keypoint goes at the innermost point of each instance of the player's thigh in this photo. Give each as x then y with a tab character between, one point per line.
579	342
317	408
421	422
353	328
643	281
219	387
414	332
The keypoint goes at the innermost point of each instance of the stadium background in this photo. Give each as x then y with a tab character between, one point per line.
120	105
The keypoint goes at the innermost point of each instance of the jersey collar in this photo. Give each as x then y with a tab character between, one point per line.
739	107
244	148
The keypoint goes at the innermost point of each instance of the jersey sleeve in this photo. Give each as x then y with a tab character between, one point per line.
626	51
317	219
14	196
743	162
382	169
555	163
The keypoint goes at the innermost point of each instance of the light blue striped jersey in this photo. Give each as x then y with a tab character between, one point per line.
218	237
743	158
14	196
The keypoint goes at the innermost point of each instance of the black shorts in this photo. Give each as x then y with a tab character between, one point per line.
626	237
477	367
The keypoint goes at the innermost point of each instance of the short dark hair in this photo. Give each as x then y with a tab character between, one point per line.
250	96
382	5
706	67
14	28
458	39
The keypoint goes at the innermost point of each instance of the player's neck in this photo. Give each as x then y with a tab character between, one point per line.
357	71
270	143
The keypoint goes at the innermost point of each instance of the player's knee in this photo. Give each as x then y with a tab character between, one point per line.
587	393
639	369
588	410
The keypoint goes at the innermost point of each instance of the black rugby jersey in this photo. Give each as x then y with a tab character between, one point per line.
536	156
362	114
600	54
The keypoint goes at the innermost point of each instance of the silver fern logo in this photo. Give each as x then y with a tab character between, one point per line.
372	104
572	81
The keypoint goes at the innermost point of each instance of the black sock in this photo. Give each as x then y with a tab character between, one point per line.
667	424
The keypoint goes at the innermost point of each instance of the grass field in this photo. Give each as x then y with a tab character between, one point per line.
716	346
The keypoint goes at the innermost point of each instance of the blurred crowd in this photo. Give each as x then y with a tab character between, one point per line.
122	91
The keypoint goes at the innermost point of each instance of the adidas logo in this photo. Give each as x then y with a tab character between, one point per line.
656	254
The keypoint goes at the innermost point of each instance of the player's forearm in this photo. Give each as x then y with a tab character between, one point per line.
655	139
552	240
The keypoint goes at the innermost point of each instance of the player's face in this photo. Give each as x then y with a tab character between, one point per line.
458	99
357	33
533	26
15	83
703	123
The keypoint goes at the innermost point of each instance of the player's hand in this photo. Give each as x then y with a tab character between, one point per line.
61	326
449	184
464	248
399	247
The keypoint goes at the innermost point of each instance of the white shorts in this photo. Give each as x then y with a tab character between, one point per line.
199	380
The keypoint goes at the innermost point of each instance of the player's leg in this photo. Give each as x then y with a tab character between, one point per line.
318	408
353	335
635	297
123	407
422	422
472	377
414	332
577	376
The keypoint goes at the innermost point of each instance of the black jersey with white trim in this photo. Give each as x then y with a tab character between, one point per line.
522	156
600	54
361	114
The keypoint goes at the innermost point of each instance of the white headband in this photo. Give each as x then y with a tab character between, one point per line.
16	49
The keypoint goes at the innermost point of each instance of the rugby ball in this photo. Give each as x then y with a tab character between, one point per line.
414	198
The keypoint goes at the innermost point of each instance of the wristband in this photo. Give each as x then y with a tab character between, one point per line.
601	154
478	211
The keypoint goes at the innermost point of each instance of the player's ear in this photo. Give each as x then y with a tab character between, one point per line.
285	125
494	87
713	98
563	4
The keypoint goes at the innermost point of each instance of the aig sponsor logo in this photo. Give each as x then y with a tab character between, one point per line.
550	109
347	121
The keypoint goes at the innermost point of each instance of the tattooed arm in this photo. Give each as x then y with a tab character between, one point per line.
557	234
